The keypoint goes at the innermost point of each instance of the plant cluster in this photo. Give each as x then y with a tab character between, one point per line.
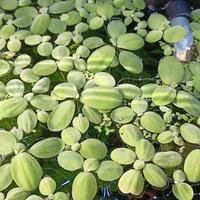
94	88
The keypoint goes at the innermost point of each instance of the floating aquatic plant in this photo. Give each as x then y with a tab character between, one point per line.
92	97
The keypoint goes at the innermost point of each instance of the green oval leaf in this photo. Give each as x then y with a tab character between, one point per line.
131	62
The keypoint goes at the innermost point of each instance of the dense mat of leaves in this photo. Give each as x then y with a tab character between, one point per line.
93	102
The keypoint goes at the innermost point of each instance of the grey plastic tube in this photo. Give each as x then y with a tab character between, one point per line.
185	46
178	12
